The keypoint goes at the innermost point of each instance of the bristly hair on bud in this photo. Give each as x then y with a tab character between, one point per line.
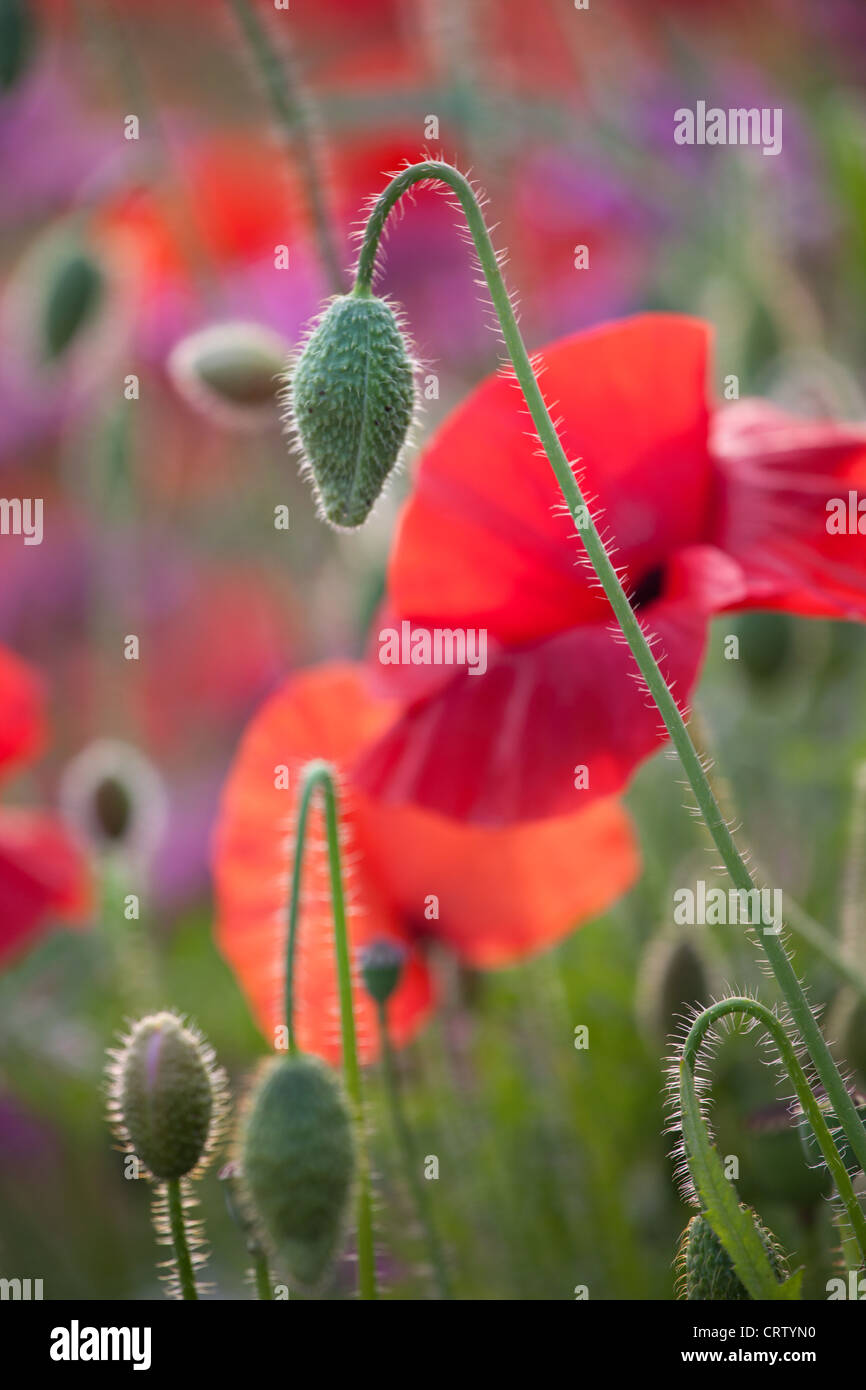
167	1097
705	1269
350	401
230	372
296	1156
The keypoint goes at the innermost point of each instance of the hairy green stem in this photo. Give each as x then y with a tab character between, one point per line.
798	921
811	1109
282	88
319	775
437	172
177	1223
408	1152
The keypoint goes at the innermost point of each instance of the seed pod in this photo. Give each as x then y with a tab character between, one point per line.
352	396
230	372
166	1096
297	1161
706	1268
115	799
381	967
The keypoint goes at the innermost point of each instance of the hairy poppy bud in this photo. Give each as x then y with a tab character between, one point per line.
707	1271
230	372
166	1096
381	967
297	1161
352	396
672	978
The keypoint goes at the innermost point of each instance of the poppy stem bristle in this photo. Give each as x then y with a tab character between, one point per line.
292	114
318	775
409	1155
696	1141
436	171
177	1222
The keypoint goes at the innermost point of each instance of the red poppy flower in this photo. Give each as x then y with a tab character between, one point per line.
705	514
492	896
42	873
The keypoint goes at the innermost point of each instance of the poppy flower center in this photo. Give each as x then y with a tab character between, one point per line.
648	588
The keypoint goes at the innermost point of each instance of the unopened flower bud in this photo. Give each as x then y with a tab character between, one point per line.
73	291
17	40
297	1160
166	1096
230	372
352	397
706	1268
672	978
381	967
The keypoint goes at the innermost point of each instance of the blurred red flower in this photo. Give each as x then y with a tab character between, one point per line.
42	873
707	513
498	895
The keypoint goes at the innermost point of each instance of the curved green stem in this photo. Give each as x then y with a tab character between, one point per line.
317	775
177	1223
409	1155
811	1109
647	665
282	88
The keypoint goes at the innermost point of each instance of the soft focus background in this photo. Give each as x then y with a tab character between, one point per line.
160	523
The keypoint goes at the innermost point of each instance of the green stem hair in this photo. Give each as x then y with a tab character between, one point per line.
289	107
717	1195
317	775
177	1225
801	1014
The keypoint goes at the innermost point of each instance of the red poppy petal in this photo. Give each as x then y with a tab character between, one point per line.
777	474
504	746
43	875
483	540
500	895
325	713
22	724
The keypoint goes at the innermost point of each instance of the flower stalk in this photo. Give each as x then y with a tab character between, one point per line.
435	171
409	1155
716	1193
317	776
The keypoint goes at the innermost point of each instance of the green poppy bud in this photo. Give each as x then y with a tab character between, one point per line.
672	979
381	967
352	396
17	36
73	293
230	372
166	1096
297	1159
706	1269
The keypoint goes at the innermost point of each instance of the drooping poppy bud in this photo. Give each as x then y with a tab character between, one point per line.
672	978
167	1096
297	1160
230	372
352	396
381	967
706	1268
